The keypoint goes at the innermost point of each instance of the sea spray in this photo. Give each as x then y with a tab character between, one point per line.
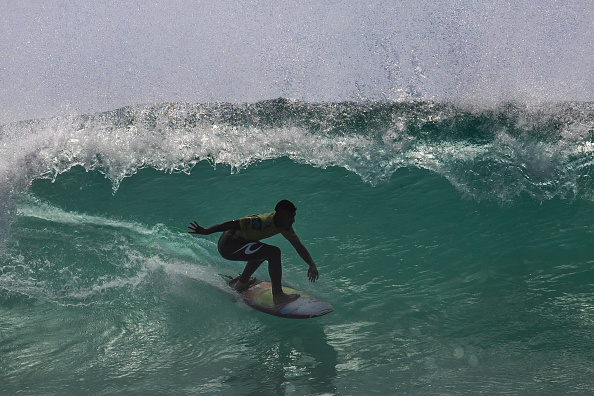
543	150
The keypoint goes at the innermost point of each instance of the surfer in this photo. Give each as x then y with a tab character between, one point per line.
241	242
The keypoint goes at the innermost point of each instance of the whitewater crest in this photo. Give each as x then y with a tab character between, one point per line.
499	154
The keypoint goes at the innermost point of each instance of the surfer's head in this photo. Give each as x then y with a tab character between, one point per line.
286	206
285	214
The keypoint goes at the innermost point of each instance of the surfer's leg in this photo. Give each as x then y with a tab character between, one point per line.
255	253
275	270
249	270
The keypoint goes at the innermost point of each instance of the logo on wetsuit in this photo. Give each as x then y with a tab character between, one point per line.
257	223
248	248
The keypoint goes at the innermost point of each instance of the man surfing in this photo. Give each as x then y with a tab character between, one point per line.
241	242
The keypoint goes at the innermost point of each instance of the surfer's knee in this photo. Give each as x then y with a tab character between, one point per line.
274	254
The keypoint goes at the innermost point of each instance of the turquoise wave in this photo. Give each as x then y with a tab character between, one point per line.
453	243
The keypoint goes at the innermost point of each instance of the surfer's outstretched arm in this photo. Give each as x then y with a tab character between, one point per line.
312	273
228	225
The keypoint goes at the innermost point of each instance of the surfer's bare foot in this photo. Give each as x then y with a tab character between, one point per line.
239	286
283	298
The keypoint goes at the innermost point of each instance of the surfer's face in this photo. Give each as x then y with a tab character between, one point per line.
286	219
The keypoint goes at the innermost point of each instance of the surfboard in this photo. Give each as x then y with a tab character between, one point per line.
259	297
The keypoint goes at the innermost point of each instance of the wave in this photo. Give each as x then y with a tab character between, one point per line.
542	150
91	255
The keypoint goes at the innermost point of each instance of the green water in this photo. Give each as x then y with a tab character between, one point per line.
450	272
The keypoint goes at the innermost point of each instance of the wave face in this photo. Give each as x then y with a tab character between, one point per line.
453	242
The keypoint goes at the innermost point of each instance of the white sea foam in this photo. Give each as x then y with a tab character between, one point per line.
545	151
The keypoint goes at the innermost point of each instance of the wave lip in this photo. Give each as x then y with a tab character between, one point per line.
499	153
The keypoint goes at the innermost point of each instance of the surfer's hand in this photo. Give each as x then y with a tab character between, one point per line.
196	229
312	273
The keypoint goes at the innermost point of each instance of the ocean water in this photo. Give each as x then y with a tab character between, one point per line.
455	244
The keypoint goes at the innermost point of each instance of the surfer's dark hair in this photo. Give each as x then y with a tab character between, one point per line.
285	205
